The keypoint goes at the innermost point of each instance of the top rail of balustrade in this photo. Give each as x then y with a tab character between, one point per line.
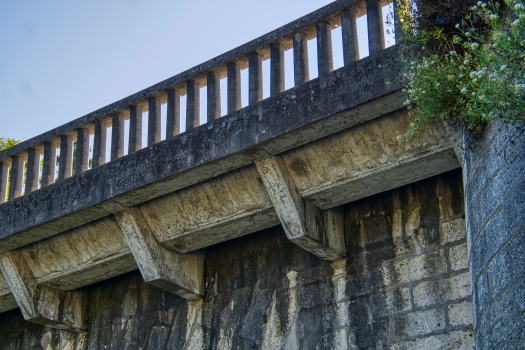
284	35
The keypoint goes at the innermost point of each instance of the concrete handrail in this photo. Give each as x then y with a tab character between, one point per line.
250	55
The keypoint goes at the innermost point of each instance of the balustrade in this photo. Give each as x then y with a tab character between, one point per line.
296	35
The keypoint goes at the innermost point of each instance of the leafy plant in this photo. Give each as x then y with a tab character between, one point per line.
7	142
472	71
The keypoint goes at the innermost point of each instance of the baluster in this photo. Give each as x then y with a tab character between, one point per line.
234	87
300	59
276	69
325	58
4	173
135	129
99	143
154	121
17	177
350	38
117	136
65	163
173	113
214	96
255	78
48	170
376	34
398	27
82	153
193	110
33	167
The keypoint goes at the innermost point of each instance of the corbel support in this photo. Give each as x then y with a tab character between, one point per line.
181	274
317	231
42	304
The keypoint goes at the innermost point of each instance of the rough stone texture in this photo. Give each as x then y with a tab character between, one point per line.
264	292
494	177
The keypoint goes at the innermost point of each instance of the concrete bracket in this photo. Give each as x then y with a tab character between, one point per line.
181	274
42	304
317	231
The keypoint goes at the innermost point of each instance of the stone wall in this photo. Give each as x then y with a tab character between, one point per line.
494	170
405	285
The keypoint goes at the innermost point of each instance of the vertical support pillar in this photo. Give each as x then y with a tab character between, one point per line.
193	110
135	129
276	69
99	143
173	113
154	121
300	59
325	57
33	167
17	177
4	173
117	137
234	87
82	153
376	34
48	170
65	163
350	38
398	27
255	78
41	304
214	96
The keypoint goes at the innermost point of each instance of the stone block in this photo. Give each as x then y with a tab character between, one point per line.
421	266
516	340
503	183
460	340
514	209
475	219
390	302
490	239
458	257
460	314
453	230
508	264
433	292
481	296
418	323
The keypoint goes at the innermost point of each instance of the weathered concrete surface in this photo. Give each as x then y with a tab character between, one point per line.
352	164
306	225
264	292
181	274
41	304
321	107
494	177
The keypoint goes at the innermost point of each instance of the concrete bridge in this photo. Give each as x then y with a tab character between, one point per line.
294	159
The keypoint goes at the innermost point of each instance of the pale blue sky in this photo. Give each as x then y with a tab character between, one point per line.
61	59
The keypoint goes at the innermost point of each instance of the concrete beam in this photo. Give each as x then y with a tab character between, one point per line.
356	163
314	110
181	274
305	225
41	304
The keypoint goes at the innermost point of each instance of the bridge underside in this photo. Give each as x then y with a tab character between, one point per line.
159	208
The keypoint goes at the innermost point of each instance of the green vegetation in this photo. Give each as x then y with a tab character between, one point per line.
7	142
465	62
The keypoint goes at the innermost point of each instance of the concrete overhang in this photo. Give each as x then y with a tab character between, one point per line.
336	135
